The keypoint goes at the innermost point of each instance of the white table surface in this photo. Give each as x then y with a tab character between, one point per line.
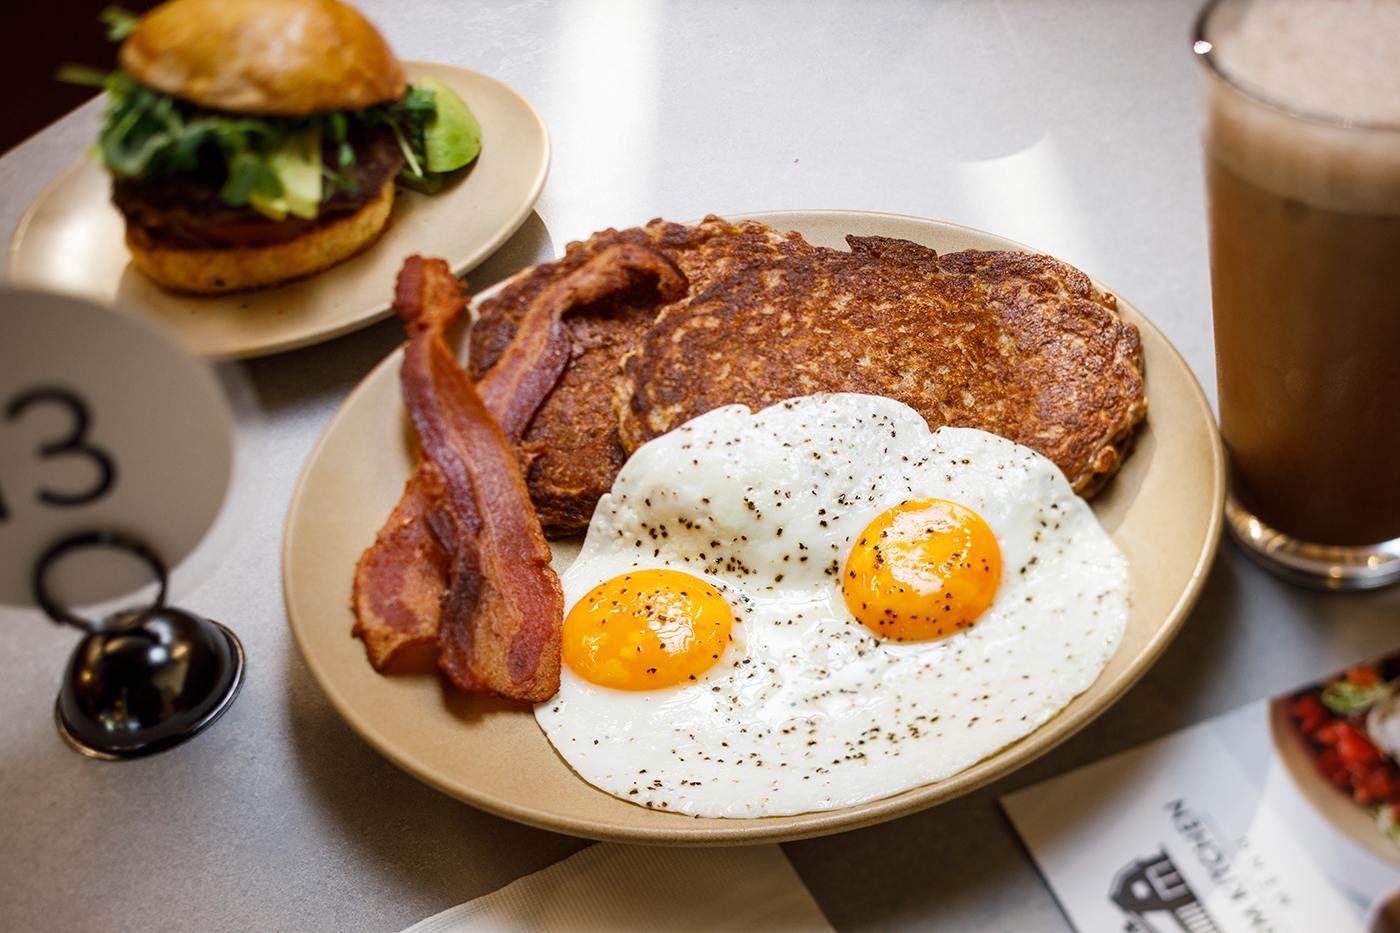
1072	126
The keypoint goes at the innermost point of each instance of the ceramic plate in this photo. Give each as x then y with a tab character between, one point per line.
73	240
1163	509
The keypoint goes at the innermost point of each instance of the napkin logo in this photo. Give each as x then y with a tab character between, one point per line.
1156	899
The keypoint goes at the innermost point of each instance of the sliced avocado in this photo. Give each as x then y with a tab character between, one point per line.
452	136
297	165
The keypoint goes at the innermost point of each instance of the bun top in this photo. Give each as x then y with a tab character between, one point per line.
272	57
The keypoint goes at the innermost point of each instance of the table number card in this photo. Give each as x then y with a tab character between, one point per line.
105	424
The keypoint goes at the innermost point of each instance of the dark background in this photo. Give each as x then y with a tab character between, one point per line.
38	37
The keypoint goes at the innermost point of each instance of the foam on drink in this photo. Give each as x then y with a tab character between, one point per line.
1329	57
1336	64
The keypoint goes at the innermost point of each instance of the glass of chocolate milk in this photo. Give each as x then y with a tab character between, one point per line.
1302	167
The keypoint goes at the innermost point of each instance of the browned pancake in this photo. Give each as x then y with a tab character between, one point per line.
574	434
1018	345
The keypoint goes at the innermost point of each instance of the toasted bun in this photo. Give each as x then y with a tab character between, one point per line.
214	271
274	57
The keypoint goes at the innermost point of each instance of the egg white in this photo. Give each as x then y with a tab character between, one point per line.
808	710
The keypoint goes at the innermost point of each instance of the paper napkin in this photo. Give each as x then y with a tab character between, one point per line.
622	889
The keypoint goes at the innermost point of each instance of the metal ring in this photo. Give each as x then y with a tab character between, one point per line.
111	539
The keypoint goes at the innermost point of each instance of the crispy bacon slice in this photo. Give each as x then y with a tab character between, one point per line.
524	374
502	633
400	579
429	546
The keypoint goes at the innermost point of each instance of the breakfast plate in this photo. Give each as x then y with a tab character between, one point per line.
1163	509
73	240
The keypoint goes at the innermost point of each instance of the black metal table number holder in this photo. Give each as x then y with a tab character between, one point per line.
142	680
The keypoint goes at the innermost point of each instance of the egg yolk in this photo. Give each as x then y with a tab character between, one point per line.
921	570
647	629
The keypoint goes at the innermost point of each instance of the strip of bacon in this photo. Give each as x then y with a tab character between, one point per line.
428	547
400	579
506	601
516	384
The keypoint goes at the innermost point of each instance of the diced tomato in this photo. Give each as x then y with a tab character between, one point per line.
1331	733
1363	675
1375	785
1305	705
1356	749
1309	713
1329	763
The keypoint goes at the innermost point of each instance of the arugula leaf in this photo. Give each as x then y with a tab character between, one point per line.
140	126
336	180
249	175
120	22
339	126
81	74
420	100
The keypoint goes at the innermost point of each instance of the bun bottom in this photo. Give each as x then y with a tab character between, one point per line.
215	271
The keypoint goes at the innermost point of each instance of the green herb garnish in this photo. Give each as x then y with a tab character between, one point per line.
1345	697
120	22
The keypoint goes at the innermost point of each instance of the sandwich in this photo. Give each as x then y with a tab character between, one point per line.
252	142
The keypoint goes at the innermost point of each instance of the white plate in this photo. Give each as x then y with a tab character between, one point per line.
73	240
1163	509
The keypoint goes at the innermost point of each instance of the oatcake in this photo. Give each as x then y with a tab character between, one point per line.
1019	345
1015	344
573	437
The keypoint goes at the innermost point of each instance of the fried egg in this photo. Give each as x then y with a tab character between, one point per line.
824	603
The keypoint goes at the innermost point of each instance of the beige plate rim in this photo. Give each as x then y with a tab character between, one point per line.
465	223
409	747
